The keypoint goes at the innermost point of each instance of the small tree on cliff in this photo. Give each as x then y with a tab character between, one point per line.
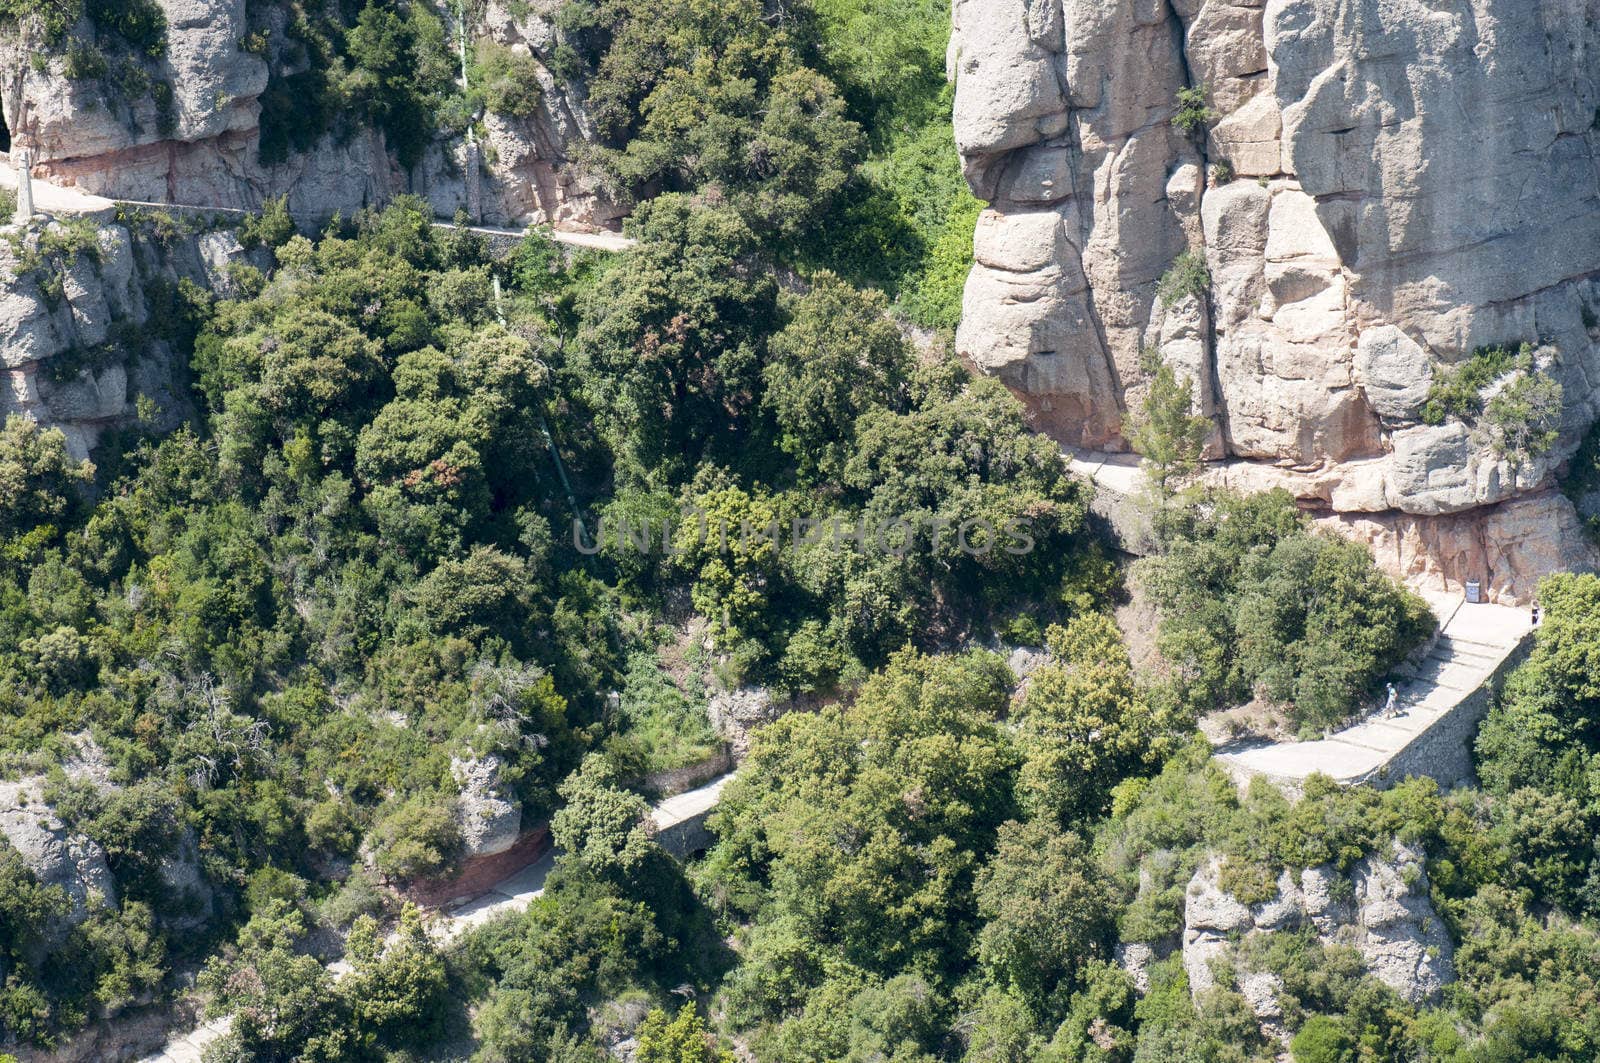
1167	432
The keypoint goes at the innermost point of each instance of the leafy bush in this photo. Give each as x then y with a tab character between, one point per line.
271	228
1524	417
1192	114
684	1039
508	80
141	23
1186	277
417	839
84	61
1167	432
1457	391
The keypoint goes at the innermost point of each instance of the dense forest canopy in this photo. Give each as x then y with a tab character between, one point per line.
251	659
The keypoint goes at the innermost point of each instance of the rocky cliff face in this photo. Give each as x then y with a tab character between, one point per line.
202	148
1381	909
82	330
1380	189
58	857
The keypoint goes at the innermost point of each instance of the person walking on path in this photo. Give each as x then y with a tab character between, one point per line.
1389	705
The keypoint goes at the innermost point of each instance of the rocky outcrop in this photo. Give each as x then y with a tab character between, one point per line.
1378	189
490	822
1381	908
57	857
200	146
736	716
79	341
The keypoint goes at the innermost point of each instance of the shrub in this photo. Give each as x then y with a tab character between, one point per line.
1323	1039
1187	276
84	61
1523	419
141	23
419	838
1457	391
1250	597
508	80
684	1039
271	228
1192	114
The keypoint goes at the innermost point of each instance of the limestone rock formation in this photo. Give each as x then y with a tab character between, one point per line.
1380	908
1378	189
78	346
201	148
490	822
736	715
56	856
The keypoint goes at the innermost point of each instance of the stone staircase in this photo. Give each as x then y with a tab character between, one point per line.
1441	699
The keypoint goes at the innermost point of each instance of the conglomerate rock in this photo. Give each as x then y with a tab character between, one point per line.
1380	188
1380	908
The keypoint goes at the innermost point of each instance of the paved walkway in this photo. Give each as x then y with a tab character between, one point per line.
511	894
54	199
1474	641
65	199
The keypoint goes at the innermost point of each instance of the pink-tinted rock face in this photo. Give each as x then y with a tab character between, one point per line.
1379	189
204	152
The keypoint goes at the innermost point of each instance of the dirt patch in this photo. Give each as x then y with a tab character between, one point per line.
1251	723
1137	619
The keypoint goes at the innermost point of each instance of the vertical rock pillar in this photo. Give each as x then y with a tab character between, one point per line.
474	191
24	186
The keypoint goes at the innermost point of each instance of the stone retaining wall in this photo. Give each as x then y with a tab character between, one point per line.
681	780
1444	750
683	840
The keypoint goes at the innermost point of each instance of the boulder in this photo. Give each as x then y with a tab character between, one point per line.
736	715
1403	941
490	822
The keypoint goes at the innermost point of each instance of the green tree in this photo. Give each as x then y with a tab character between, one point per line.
679	1039
1323	1039
672	353
1167	432
395	991
838	356
602	827
416	839
38	478
866	823
1083	724
1047	913
401	73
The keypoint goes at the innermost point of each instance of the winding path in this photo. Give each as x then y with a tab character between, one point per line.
511	894
51	198
1441	700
